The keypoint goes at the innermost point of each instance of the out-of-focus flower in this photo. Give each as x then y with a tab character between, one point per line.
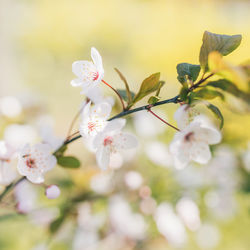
133	180
35	161
159	154
96	96
116	161
148	206
102	183
89	74
124	221
10	106
202	239
17	135
52	192
7	164
26	197
48	137
112	140
147	125
189	213
170	225
94	119
192	143
184	115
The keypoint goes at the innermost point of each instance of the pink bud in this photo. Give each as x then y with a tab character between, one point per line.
52	192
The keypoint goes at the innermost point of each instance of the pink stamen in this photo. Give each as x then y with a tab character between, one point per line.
30	163
96	75
108	141
91	126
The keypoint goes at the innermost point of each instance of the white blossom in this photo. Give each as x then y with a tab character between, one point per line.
89	74
112	140
133	180
170	225
10	106
35	161
94	119
184	115
7	164
192	143
52	192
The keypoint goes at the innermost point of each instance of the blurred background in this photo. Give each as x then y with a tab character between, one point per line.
39	40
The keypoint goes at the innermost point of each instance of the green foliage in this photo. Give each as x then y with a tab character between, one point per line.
207	94
68	162
153	99
187	71
148	86
215	110
229	87
224	44
184	92
124	95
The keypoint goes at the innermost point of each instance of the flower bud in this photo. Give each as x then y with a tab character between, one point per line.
52	192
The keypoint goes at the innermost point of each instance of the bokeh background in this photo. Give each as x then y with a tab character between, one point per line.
39	40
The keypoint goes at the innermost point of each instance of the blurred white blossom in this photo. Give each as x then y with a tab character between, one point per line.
101	183
133	179
35	161
10	106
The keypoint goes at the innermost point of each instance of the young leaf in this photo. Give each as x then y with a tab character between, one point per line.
68	162
153	99
217	113
60	151
187	70
214	42
123	94
229	87
148	86
235	74
207	93
184	92
129	96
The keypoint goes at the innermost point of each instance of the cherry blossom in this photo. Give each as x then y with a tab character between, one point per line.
7	164
192	143
112	140
94	119
35	161
184	115
89	74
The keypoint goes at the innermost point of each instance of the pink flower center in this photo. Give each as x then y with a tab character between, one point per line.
108	141
188	137
31	163
91	126
95	76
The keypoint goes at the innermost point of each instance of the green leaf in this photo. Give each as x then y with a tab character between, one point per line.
217	113
60	151
187	71
214	42
128	92
184	92
123	94
208	94
149	85
56	224
153	99
68	162
229	87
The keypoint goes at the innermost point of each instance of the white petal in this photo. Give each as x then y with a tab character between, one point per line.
200	153
81	68
103	157
97	59
102	109
86	111
115	125
125	141
76	82
209	135
35	178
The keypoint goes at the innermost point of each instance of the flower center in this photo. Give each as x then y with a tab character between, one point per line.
95	76
108	141
188	137
91	126
31	163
